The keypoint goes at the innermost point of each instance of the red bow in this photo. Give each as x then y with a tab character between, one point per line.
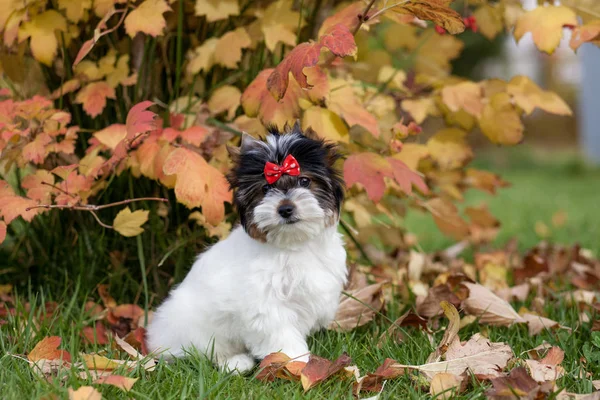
273	171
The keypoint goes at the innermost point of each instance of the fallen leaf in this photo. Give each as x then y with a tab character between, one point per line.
478	356
129	223
518	384
445	386
122	382
489	308
373	382
47	349
279	365
450	335
95	334
84	393
319	369
547	369
358	307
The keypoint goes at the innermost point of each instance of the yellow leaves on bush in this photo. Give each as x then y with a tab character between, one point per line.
420	108
344	102
216	10
75	9
326	123
437	11
546	25
500	120
489	20
147	18
225	51
467	96
228	52
129	223
93	97
226	98
198	184
527	95
41	31
278	23
449	148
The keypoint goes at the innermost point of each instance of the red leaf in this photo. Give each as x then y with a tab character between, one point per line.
339	40
302	56
368	169
406	177
2	231
318	369
140	120
95	334
137	339
84	51
373	382
279	365
47	349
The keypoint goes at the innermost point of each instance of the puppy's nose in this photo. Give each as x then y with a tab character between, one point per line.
286	210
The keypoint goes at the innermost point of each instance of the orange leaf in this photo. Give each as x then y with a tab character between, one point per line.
319	369
93	97
257	101
279	365
147	18
2	231
344	102
35	151
122	382
198	183
347	16
12	206
95	334
140	120
369	169
47	349
339	40
303	55
84	393
445	215
585	33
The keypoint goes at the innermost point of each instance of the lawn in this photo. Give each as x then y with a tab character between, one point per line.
542	186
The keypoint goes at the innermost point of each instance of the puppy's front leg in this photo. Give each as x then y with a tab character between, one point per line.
286	340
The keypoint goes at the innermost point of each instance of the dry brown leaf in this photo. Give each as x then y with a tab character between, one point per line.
547	369
489	308
536	324
478	355
451	333
279	365
358	307
518	384
445	386
319	369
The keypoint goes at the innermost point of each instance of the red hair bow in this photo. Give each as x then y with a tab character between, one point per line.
273	171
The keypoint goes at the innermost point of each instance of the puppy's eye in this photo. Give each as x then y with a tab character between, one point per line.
266	188
304	181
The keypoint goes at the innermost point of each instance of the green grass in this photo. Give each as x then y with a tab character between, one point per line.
540	188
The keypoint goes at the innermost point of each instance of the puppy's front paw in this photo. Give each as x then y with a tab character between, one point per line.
238	364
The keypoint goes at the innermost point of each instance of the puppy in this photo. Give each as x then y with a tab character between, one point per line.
279	275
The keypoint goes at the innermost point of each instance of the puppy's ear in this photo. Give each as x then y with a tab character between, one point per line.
311	134
234	153
333	153
249	143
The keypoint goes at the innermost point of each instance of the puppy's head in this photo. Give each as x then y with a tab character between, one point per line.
297	196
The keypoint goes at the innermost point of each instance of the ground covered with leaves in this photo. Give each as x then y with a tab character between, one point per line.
439	325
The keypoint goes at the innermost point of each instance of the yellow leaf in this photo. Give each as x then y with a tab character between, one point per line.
147	18
588	10
435	54
500	121
75	9
120	73
228	52
449	148
101	7
202	58
546	25
395	77
445	385
489	20
226	98
278	23
88	70
411	154
112	135
419	109
215	10
129	223
326	123
95	361
465	96
84	393
528	96
41	29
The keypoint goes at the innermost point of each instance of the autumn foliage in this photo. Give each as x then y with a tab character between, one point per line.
152	91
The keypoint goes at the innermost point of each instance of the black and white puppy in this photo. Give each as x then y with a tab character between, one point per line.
279	275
